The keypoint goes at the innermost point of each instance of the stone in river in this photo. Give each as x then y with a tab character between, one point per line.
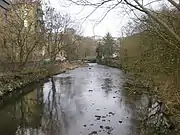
93	133
120	121
107	127
98	117
111	113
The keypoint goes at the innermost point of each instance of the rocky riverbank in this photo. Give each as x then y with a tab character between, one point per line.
14	81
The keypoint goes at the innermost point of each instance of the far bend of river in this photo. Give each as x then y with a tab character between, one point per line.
84	101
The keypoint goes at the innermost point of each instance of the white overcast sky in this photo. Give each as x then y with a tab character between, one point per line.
112	23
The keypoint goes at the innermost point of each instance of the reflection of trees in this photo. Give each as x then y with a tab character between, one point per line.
61	97
34	115
107	86
22	114
52	120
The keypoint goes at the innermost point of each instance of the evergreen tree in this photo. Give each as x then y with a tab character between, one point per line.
108	43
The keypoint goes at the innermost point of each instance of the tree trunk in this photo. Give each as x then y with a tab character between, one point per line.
159	21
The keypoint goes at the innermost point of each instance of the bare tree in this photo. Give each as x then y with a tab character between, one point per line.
142	6
60	34
21	36
27	38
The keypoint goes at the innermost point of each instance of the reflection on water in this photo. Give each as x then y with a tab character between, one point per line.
107	86
26	113
84	101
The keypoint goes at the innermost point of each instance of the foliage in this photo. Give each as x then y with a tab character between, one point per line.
152	55
106	47
19	40
29	35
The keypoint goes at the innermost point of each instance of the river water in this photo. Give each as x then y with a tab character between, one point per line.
84	101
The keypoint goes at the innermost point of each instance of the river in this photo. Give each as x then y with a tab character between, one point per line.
84	101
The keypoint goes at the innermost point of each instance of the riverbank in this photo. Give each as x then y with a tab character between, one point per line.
14	81
154	112
110	62
87	99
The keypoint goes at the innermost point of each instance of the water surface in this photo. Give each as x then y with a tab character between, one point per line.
83	101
